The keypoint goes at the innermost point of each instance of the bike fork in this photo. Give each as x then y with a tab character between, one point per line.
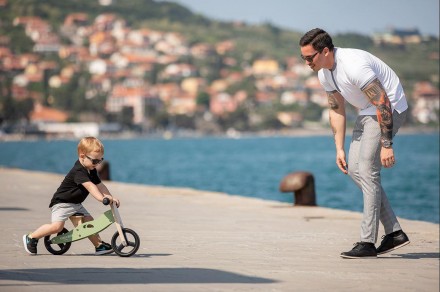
119	225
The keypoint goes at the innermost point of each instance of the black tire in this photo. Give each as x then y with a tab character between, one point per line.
56	249
133	243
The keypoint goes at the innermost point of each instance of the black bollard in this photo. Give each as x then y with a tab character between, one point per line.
104	170
303	185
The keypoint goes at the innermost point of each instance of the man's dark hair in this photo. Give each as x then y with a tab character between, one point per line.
318	38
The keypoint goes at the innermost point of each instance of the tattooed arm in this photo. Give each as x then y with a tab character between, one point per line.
338	123
378	97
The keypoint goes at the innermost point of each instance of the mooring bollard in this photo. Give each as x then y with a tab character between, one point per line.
104	170
303	185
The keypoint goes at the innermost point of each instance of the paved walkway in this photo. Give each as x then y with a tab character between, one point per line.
203	241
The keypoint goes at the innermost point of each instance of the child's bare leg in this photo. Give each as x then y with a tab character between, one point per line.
47	229
95	238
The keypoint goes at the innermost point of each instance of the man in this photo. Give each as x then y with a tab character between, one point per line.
370	85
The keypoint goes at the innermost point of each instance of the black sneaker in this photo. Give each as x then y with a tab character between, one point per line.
30	244
392	241
361	250
103	248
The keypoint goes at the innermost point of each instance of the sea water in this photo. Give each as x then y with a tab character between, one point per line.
251	167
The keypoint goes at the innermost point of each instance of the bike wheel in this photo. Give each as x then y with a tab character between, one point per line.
133	243
56	249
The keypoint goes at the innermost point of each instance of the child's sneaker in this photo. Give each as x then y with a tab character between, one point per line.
30	244
103	248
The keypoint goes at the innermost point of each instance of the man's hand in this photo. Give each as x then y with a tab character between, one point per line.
387	157
340	161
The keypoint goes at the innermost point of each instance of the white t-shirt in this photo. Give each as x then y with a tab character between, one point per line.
353	70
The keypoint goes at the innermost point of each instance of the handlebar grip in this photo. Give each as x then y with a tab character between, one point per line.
106	201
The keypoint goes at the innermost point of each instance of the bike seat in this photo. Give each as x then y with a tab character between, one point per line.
78	214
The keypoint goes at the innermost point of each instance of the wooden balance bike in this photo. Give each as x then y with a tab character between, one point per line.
125	242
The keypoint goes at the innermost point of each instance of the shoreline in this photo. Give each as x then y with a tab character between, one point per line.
167	135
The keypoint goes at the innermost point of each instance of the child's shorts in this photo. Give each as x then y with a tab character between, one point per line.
62	211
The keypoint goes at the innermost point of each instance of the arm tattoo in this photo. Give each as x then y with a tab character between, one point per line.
378	97
332	101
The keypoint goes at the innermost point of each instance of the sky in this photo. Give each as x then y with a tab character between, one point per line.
338	16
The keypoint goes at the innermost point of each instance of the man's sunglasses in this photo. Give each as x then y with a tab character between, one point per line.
95	161
309	58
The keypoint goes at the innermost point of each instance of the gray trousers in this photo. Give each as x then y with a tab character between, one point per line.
364	167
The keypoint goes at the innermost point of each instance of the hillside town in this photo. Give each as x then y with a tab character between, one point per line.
142	73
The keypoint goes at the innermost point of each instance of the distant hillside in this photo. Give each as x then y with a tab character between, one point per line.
133	11
252	41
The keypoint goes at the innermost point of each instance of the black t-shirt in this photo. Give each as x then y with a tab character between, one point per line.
71	189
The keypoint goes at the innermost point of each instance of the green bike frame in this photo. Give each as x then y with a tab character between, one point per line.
86	229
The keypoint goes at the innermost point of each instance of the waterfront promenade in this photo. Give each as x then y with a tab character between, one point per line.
203	241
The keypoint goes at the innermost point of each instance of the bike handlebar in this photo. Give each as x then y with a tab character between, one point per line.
106	201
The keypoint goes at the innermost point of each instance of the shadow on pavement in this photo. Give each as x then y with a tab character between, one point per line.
99	275
420	255
138	255
13	209
414	256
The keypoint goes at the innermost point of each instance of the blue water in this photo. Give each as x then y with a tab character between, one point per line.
251	167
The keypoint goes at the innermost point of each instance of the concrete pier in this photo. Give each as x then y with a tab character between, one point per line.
203	241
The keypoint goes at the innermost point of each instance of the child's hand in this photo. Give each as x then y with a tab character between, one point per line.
116	202
112	200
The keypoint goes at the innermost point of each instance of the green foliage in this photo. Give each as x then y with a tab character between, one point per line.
19	42
183	122
15	110
247	84
161	120
203	99
312	112
269	119
238	120
353	40
11	110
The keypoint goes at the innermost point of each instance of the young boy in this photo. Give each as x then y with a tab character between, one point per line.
81	180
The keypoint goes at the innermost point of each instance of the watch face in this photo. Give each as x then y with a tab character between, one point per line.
386	144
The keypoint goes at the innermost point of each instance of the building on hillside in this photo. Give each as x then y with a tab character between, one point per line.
426	103
265	67
43	114
123	96
77	130
316	93
182	104
222	103
395	36
298	96
290	119
178	71
202	50
224	47
193	85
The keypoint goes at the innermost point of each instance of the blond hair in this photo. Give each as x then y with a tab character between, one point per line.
90	144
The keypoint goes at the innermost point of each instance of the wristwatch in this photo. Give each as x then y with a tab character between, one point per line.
387	143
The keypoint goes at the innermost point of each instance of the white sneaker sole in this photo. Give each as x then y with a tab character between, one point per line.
358	258
394	248
103	252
